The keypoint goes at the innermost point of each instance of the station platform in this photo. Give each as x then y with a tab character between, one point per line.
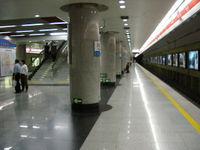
146	114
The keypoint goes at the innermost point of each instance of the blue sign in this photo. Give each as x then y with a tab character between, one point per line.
6	43
97	53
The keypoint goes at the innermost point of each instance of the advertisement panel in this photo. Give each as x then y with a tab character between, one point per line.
182	60
193	60
8	56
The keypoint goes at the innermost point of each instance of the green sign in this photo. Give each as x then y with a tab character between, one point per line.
105	80
103	75
77	101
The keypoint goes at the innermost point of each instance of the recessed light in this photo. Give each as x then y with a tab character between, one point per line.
125	20
126	24
37	16
33	24
122	6
121	1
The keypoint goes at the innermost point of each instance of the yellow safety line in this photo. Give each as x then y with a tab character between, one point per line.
180	109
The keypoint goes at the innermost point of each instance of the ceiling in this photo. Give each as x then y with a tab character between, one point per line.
144	15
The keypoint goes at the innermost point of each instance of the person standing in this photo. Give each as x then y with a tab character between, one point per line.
16	76
24	76
46	51
53	51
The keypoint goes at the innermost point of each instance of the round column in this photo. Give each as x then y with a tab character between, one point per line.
119	58
108	58
84	54
21	52
123	59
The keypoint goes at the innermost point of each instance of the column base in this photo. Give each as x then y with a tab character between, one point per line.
85	107
108	83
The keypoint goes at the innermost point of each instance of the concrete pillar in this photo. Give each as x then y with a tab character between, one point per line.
123	65
21	52
84	58
119	58
108	57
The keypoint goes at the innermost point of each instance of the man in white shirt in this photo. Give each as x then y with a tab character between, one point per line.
24	76
16	76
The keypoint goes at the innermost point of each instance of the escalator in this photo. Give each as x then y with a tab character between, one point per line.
52	72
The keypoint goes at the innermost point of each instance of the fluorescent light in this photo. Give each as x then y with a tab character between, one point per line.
122	6
126	24
23	31
58	23
7	148
17	35
65	29
59	33
33	24
45	30
37	16
36	34
5	32
23	126
23	136
36	127
8	26
121	1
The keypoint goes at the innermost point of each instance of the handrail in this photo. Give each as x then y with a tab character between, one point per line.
60	49
36	68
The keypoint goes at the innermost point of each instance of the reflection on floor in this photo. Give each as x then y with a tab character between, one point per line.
42	119
142	118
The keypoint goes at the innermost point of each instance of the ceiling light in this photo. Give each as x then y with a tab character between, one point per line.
59	33
6	32
121	1
65	29
125	20
36	34
126	24
33	24
24	31
8	26
37	16
45	30
122	6
17	35
58	23
7	148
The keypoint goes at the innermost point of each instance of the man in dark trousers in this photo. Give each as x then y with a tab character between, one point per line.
53	51
46	50
17	76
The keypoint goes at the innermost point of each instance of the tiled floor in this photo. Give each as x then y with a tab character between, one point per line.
142	118
42	118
